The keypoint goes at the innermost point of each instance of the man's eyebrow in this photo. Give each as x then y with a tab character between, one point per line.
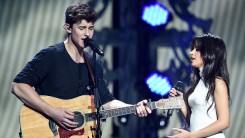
84	26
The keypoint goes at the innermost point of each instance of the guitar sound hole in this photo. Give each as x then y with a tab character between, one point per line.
78	117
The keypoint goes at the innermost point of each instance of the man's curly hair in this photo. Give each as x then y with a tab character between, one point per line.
77	12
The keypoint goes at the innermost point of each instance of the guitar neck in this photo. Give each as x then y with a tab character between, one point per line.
170	103
117	112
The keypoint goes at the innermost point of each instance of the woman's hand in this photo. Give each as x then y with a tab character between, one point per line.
175	93
182	134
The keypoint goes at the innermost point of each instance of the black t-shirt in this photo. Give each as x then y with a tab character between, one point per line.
84	79
52	72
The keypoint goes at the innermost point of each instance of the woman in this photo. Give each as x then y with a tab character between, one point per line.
208	98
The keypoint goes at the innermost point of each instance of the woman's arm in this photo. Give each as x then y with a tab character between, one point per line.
222	110
173	93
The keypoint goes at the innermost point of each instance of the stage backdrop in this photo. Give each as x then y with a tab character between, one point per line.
27	26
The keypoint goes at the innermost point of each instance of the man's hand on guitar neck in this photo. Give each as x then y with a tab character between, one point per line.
142	109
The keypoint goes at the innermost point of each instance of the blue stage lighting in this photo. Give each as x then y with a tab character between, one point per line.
158	84
155	14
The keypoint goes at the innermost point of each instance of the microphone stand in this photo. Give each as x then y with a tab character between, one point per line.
179	87
169	113
95	48
96	99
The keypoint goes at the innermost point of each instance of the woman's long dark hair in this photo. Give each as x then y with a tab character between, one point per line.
213	53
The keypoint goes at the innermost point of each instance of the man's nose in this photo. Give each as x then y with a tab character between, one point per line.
87	33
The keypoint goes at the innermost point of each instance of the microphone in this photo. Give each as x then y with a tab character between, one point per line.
179	87
89	42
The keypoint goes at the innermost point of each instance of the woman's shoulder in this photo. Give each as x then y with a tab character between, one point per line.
219	80
220	85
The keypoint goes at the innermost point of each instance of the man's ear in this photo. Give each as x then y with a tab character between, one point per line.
67	27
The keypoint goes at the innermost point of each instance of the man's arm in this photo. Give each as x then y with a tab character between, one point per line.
31	98
141	110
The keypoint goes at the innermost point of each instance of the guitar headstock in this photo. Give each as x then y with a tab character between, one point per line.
170	103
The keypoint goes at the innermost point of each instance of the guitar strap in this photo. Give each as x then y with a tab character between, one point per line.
88	63
20	133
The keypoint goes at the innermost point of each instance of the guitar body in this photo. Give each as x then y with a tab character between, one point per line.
35	125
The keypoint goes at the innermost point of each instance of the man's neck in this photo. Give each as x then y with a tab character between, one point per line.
75	52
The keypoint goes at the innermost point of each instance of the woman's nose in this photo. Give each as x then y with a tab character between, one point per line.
191	52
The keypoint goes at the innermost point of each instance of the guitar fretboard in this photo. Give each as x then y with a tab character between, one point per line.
117	112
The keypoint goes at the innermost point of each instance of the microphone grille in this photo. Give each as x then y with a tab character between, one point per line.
179	86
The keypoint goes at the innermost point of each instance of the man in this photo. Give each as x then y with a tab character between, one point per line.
63	71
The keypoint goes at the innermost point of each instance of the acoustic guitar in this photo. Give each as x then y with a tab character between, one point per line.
36	125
